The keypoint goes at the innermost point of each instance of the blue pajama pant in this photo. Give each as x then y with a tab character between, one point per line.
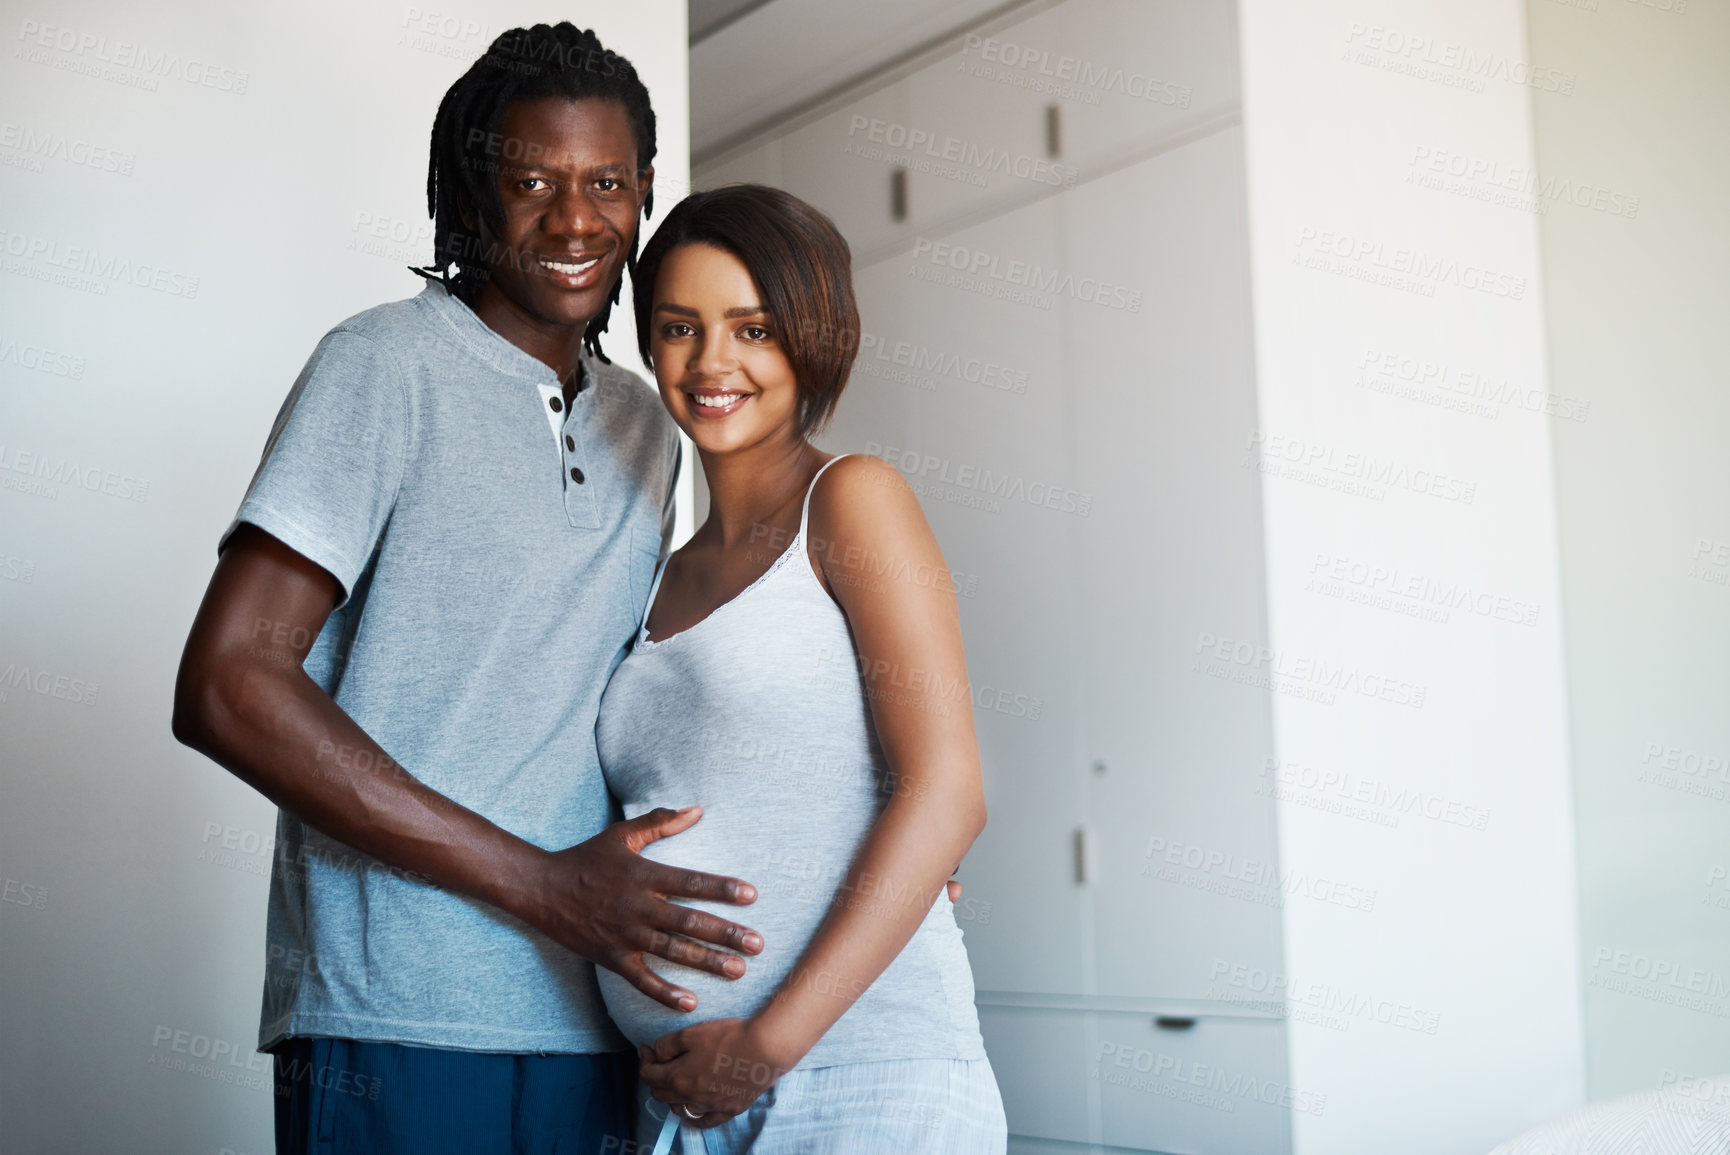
346	1097
893	1107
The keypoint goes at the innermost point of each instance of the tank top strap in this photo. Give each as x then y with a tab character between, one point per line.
805	513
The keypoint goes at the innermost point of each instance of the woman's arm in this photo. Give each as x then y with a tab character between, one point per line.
880	561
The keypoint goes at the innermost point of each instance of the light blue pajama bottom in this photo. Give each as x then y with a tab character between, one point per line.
896	1107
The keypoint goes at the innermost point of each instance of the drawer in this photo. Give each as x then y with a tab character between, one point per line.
1115	1078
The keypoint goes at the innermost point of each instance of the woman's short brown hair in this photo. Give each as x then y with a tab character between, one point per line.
801	266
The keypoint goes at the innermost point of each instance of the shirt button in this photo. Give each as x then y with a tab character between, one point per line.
576	475
558	405
570	443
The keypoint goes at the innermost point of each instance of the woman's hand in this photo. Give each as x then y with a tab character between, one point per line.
716	1069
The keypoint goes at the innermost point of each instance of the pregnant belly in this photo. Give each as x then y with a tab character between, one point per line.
795	879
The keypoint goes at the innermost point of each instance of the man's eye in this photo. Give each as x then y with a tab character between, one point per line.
609	184
530	180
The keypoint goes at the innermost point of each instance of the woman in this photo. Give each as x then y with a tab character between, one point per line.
800	673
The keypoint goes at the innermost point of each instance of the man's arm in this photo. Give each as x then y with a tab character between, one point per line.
252	708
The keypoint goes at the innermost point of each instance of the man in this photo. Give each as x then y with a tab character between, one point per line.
444	552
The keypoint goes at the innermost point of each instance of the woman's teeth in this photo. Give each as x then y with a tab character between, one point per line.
717	401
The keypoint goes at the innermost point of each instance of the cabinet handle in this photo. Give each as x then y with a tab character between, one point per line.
1086	865
1174	1022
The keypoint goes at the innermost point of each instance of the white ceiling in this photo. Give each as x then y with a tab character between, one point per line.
708	16
777	56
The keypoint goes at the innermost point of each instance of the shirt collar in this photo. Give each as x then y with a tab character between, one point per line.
480	339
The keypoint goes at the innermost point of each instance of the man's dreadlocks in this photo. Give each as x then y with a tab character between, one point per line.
462	193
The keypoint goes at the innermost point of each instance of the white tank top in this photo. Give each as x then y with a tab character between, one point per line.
758	714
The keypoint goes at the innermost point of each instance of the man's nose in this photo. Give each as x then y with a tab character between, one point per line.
573	213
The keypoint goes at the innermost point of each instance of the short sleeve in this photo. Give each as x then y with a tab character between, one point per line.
333	464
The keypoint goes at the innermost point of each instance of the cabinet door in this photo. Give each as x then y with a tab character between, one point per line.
1171	556
983	445
837	163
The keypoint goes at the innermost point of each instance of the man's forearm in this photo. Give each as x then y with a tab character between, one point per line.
282	735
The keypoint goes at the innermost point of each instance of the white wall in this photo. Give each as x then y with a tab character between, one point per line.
1365	278
132	935
1636	241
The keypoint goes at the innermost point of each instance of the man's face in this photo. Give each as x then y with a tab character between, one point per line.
572	196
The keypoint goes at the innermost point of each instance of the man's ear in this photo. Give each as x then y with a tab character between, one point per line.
646	191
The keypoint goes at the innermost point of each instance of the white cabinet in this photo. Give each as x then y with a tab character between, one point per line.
1162	399
927	393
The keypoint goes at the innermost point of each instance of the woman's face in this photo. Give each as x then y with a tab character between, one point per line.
717	353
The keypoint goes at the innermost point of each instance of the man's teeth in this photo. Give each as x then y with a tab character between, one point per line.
566	267
718	401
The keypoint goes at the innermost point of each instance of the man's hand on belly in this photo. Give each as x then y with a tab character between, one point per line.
604	900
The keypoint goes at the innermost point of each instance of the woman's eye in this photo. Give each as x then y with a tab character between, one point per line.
755	333
676	329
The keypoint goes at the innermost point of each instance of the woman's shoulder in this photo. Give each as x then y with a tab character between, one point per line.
864	513
859	489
